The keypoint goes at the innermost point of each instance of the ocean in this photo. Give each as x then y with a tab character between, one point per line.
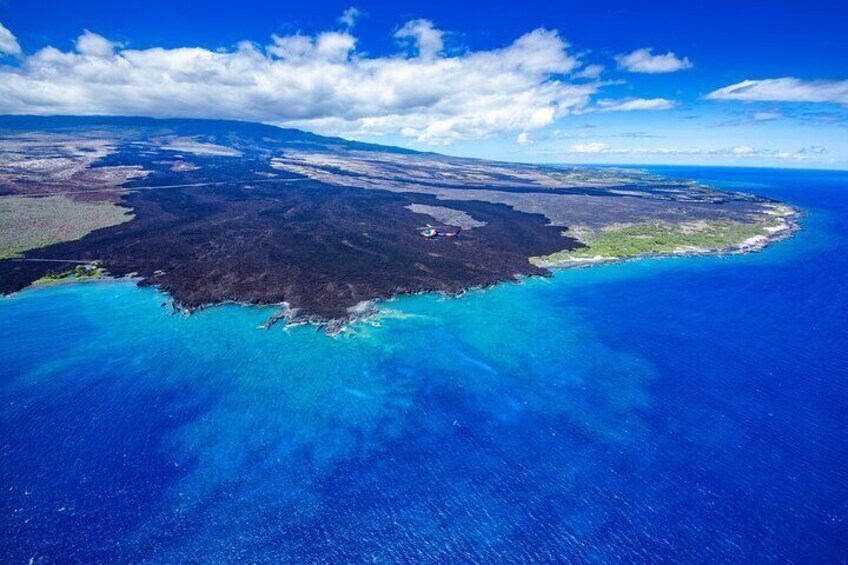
686	410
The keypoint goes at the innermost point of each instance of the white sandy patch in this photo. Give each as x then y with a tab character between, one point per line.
575	262
447	216
197	148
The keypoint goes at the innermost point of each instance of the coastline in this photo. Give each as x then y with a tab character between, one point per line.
787	227
369	309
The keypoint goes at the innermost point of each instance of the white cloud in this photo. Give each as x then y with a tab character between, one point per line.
8	42
785	89
592	147
737	152
523	139
334	46
291	47
424	37
766	116
743	150
95	45
589	72
634	104
317	82
644	61
349	17
329	46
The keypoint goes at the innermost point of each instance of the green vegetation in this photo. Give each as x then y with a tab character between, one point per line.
78	273
657	238
29	223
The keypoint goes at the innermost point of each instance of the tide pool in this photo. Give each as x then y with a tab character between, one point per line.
671	410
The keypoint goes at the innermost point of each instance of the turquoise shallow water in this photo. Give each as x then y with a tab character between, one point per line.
666	410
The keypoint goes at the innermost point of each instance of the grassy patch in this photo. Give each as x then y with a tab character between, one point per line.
78	273
657	238
29	223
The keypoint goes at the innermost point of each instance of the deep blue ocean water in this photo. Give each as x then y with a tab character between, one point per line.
687	410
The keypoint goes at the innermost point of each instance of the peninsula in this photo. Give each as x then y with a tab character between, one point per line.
217	211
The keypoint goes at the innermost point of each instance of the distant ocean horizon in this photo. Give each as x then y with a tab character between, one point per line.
690	410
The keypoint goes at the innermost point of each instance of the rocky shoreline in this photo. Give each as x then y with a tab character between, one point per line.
291	317
787	226
323	227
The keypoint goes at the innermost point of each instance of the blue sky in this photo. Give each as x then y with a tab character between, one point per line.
724	83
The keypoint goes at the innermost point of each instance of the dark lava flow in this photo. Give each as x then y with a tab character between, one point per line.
320	248
250	232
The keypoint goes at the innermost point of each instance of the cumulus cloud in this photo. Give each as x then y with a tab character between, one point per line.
8	42
319	82
787	89
349	17
644	61
523	139
634	104
95	45
425	38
